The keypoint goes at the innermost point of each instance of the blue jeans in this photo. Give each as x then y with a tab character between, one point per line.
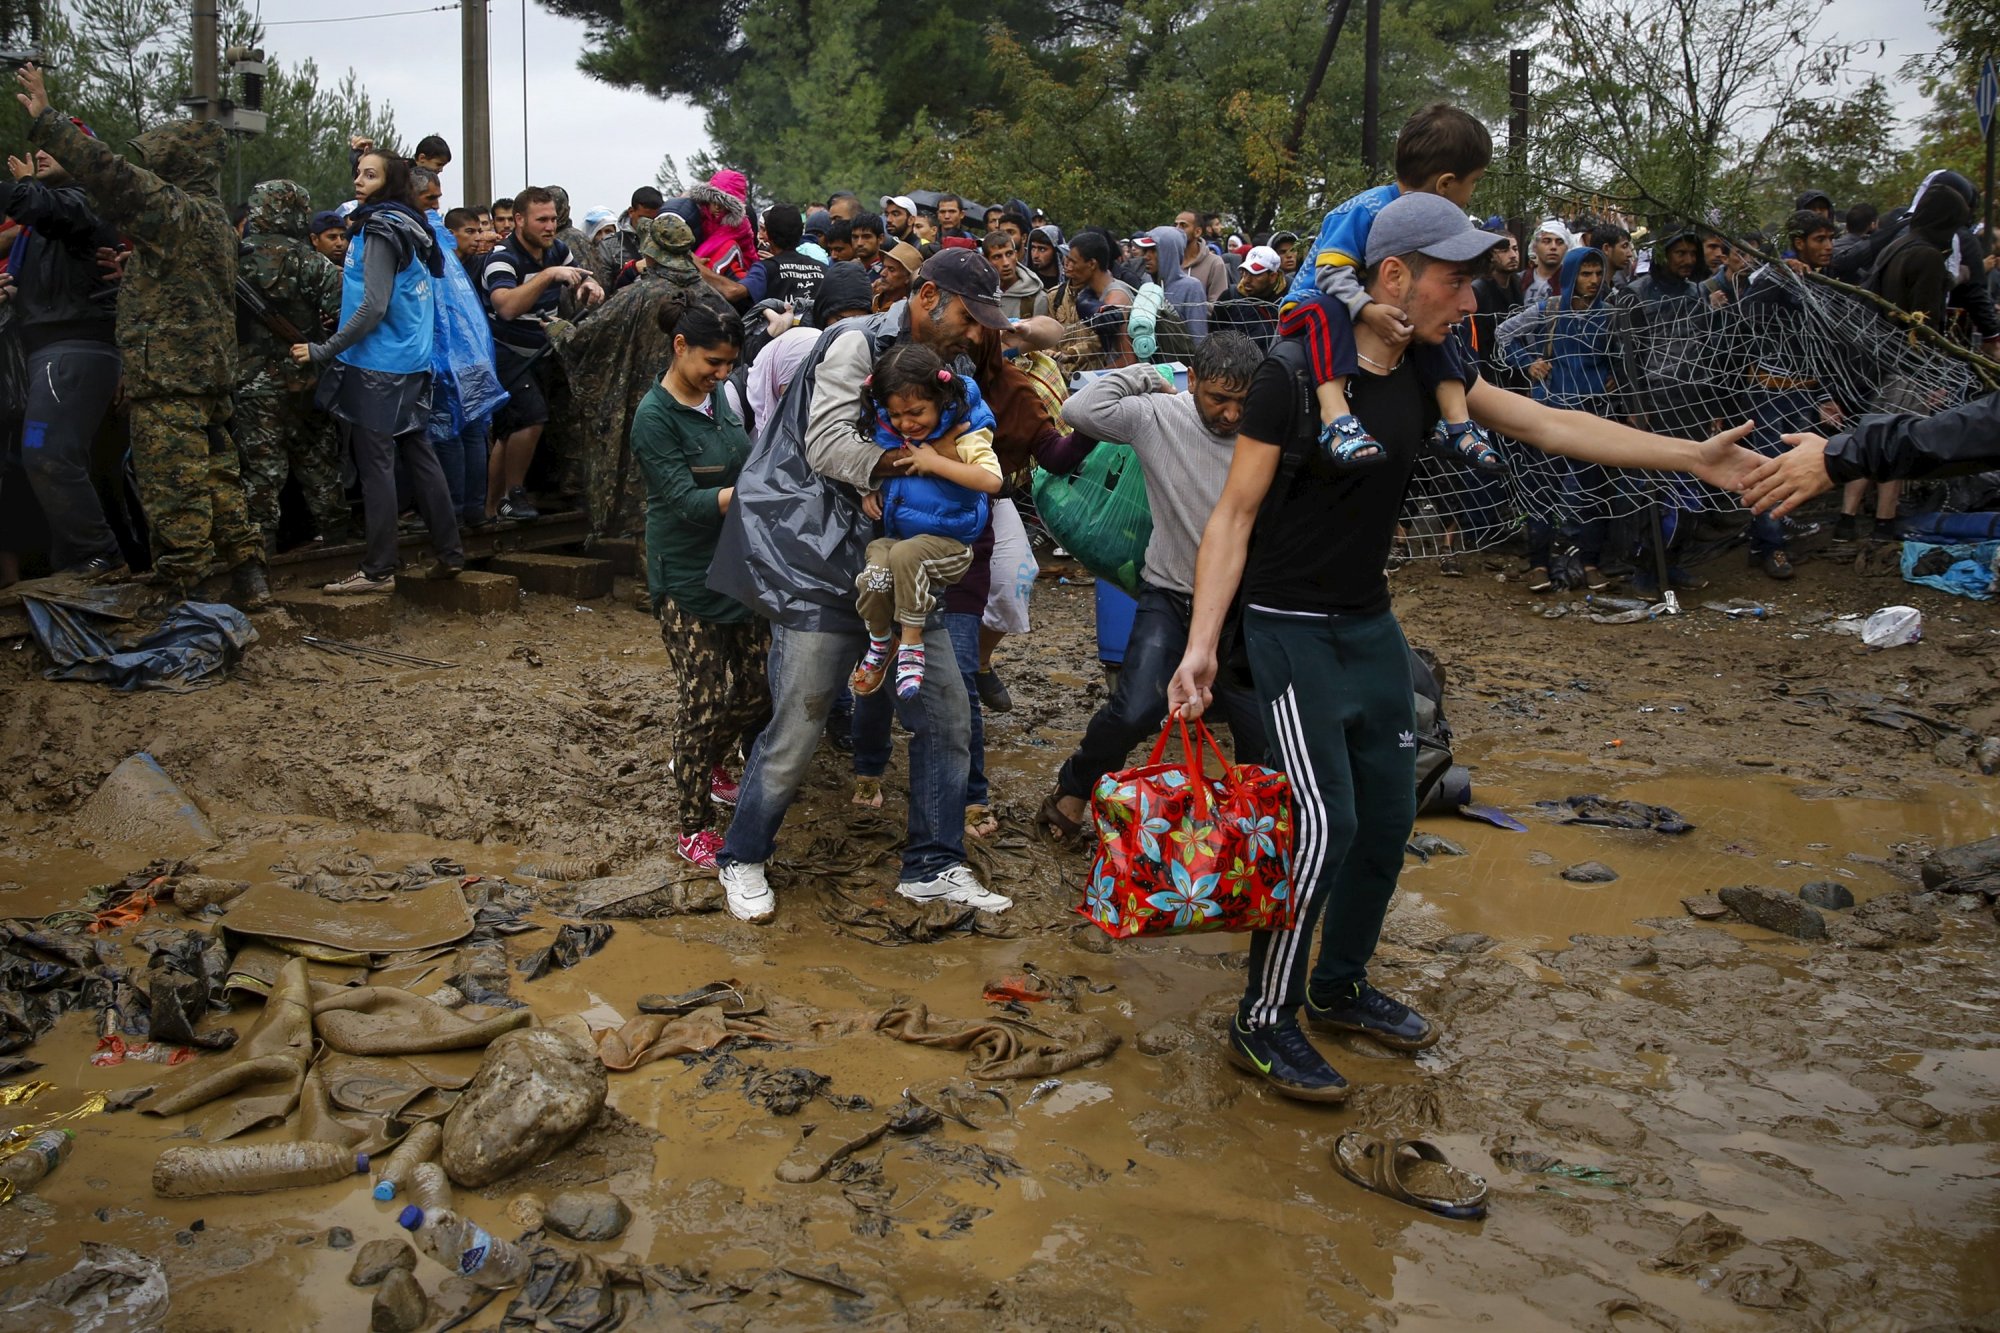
872	743
807	669
463	459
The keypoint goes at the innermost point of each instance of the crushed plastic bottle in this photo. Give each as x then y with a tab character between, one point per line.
33	1160
464	1248
429	1186
1893	626
193	1172
419	1145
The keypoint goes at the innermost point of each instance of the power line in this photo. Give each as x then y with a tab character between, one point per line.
358	18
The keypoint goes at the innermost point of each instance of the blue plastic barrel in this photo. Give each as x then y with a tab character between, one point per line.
1115	611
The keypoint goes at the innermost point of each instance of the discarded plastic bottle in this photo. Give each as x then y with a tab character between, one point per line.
419	1145
464	1248
1603	603
429	1186
565	868
36	1158
192	1172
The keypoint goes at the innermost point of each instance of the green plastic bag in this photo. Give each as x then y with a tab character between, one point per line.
1099	513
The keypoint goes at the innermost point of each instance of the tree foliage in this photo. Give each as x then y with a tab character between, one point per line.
123	66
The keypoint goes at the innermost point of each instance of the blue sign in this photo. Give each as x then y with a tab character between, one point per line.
1987	96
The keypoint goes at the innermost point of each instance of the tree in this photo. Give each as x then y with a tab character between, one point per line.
1846	145
123	66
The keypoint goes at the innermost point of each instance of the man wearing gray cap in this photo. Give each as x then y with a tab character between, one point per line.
1328	658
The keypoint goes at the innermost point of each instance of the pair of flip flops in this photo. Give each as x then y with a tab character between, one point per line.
1411	1171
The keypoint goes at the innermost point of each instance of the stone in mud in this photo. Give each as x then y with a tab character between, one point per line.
536	1090
1590	872
586	1215
1162	1038
1971	866
1829	894
1903	918
400	1304
339	1238
1915	1114
192	893
378	1258
1775	910
1468	942
1705	907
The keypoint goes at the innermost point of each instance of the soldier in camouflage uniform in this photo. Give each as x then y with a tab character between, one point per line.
277	426
177	333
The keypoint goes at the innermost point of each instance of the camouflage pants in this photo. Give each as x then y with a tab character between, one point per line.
282	434
725	698
191	486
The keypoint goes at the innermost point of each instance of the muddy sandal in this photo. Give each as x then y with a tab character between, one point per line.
1410	1171
735	1000
1465	442
1348	446
1051	817
979	821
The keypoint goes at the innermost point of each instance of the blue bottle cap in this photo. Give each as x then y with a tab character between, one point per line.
410	1218
361	1164
385	1190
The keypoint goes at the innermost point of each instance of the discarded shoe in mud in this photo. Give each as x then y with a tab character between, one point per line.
536	1090
1411	1171
829	1142
733	998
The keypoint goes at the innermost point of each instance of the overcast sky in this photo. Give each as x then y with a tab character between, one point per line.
601	142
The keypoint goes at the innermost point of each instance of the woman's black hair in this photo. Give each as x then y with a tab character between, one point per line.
915	369
701	324
396	184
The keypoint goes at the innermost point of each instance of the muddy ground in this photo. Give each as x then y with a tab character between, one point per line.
1831	1106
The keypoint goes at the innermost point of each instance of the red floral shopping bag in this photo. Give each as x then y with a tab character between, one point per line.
1179	852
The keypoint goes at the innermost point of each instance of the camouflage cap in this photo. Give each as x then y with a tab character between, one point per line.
280	208
667	245
187	153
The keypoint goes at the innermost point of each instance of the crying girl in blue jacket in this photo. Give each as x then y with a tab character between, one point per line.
941	432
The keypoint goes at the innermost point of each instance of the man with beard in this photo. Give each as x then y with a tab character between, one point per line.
1253	310
794	541
1184	442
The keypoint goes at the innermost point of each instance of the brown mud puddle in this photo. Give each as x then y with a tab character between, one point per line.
1654	1068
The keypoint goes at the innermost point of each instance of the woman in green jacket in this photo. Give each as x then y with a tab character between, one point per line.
690	444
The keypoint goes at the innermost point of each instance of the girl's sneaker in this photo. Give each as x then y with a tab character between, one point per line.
723	789
700	848
909	670
874	667
1465	442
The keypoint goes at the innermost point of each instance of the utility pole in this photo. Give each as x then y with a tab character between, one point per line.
1371	93
207	100
1986	100
477	127
1517	129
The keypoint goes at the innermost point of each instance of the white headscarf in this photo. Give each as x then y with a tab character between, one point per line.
1554	227
1956	261
773	370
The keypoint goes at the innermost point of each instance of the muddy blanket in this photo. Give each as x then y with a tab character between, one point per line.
651	1037
195	645
1003	1047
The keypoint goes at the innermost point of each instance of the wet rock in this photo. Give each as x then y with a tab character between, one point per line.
1467	942
378	1258
1915	1114
1705	907
1827	893
1775	910
192	893
1972	866
400	1304
1903	918
1162	1038
536	1090
586	1215
1590	872
339	1238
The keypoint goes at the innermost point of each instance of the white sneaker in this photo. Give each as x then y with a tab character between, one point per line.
358	582
956	885
747	893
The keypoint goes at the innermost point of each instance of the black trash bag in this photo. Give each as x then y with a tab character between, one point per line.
43	975
573	943
184	979
1603	812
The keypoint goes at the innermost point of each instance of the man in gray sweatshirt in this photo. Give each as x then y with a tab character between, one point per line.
1184	442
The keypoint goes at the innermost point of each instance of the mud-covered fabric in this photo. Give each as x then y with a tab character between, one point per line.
300	283
725	699
176	318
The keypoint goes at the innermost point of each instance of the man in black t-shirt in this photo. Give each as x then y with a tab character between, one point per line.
1329	661
785	274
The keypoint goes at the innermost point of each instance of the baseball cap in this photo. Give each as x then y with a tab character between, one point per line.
902	201
324	221
1144	241
1262	259
1428	224
966	275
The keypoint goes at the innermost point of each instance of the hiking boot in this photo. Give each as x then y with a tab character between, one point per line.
747	893
1283	1057
1843	528
249	587
957	884
359	582
1359	1007
723	789
1775	563
993	691
517	506
700	848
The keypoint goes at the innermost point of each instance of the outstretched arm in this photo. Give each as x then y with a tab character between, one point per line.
1720	460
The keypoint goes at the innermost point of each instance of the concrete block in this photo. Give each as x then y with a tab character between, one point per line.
473	593
339	617
578	578
621	552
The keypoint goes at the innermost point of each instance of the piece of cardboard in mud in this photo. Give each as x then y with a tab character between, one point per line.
419	919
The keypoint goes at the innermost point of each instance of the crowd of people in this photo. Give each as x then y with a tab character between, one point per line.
831	414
